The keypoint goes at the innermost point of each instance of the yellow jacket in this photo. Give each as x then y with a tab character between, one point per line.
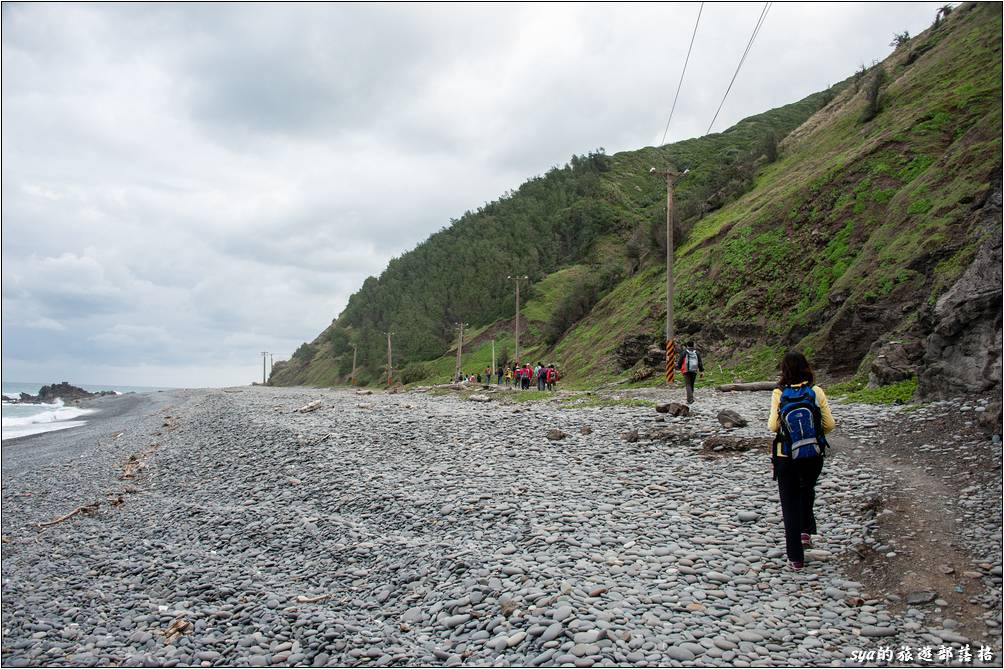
821	402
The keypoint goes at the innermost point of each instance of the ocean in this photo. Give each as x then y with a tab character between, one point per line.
19	420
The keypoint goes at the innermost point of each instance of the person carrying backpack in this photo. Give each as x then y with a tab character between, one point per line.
800	418
538	373
508	377
690	363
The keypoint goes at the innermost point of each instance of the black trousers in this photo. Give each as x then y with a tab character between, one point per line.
796	484
689	378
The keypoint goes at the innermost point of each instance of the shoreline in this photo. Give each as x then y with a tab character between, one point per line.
426	530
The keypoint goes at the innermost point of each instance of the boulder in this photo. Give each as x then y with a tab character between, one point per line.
479	398
655	357
729	418
721	443
895	361
990	420
674	409
585	429
642	373
632	349
556	435
921	597
630	437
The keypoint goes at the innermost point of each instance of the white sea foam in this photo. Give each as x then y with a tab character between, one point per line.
23	419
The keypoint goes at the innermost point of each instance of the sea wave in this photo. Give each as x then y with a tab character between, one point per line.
44	414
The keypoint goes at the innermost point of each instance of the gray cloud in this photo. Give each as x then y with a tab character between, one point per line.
185	185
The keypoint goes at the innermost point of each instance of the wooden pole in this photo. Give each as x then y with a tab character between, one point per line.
355	349
670	176
460	351
389	359
517	279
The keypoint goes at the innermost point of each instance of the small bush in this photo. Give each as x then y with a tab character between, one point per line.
414	372
583	296
305	352
770	146
899	39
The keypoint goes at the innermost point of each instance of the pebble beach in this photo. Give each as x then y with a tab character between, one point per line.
231	529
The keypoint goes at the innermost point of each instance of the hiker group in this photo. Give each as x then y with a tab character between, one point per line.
523	377
519	377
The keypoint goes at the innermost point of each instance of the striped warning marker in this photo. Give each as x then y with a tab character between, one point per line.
670	361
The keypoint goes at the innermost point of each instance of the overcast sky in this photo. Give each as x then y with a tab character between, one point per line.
187	185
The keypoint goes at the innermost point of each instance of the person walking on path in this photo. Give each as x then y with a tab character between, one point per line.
538	373
499	381
800	418
690	363
508	377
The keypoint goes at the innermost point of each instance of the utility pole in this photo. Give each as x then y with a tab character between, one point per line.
355	349
389	364
264	363
670	175
270	364
517	279
460	351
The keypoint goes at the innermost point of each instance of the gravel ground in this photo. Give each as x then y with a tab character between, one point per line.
429	530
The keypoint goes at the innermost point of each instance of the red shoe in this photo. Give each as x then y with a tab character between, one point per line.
806	540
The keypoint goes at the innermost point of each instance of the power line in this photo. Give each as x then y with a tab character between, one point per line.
763	15
679	85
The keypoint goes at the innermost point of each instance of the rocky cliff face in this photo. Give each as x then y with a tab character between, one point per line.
963	350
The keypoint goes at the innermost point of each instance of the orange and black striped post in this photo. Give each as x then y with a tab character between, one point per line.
670	175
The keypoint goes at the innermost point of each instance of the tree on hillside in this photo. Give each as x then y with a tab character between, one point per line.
942	13
899	39
770	146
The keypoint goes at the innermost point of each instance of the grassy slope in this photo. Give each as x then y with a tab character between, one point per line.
881	208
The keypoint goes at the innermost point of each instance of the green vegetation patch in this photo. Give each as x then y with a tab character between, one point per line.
856	391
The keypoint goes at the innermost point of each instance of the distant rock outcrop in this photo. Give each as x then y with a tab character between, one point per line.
58	391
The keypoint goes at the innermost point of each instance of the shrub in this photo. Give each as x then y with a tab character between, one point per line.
414	372
583	296
305	352
899	39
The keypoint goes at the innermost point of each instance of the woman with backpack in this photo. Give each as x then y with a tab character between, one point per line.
800	418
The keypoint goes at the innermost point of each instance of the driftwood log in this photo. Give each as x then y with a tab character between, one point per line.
756	385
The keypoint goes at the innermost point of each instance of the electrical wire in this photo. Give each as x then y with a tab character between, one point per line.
749	45
679	85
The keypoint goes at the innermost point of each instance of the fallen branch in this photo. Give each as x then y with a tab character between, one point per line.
756	385
312	406
303	599
87	510
176	629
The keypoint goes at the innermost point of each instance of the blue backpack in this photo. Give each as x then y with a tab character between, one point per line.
801	423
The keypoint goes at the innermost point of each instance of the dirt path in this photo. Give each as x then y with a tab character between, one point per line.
923	539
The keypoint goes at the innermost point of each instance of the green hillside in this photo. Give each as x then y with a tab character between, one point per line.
827	224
